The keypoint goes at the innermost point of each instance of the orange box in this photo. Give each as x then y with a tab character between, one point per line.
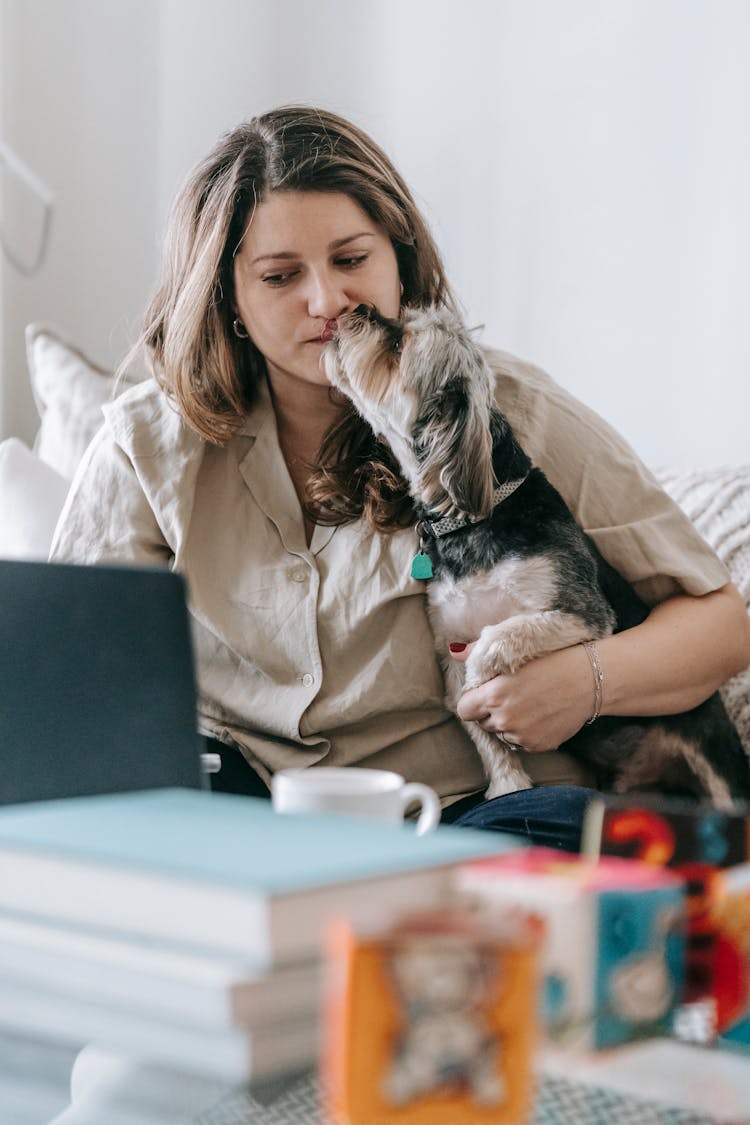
431	1023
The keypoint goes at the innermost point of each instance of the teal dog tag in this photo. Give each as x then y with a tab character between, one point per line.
421	566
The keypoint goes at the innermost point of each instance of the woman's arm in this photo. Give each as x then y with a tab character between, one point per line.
684	650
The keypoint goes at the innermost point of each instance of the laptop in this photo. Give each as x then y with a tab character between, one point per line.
97	687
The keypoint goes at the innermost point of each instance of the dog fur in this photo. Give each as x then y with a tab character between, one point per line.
519	577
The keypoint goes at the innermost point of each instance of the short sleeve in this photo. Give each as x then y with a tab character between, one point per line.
107	516
613	496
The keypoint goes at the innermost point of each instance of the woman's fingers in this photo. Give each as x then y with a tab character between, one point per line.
538	707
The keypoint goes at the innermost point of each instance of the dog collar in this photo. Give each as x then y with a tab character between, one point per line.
455	523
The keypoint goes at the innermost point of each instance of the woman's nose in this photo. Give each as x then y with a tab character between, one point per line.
326	296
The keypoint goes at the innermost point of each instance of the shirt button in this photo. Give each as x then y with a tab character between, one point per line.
299	575
308	679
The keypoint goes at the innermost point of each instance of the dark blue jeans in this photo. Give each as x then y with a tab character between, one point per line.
551	815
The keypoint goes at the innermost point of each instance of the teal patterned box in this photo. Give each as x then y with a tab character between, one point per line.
613	953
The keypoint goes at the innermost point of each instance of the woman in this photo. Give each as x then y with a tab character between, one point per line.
242	468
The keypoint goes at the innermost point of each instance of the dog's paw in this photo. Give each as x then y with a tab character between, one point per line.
492	655
502	766
506	774
504	648
509	784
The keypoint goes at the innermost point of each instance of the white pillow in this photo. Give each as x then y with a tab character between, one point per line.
69	391
31	499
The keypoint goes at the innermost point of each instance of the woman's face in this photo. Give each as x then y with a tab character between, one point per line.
306	258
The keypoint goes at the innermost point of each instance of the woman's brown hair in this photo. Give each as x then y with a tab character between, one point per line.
209	372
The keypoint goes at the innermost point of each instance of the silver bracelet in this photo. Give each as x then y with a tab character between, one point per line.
598	672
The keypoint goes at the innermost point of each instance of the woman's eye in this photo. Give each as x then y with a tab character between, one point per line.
352	261
277	279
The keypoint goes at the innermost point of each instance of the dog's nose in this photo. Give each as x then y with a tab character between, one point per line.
364	310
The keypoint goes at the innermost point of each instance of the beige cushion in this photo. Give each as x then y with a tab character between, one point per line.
718	503
69	390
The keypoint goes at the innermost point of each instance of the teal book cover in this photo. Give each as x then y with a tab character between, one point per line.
238	841
219	871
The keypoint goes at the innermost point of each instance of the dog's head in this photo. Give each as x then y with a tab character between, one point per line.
422	382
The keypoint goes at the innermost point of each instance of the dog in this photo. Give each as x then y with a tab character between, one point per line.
509	565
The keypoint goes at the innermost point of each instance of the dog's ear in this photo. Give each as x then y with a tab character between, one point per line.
453	445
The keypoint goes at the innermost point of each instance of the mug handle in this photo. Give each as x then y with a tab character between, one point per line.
429	816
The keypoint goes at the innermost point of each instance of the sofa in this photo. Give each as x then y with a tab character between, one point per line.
69	391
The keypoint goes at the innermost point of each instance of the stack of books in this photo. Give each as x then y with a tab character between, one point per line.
187	929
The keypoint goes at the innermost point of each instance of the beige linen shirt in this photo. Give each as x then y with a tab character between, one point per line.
323	655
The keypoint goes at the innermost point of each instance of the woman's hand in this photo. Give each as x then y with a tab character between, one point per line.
684	650
539	706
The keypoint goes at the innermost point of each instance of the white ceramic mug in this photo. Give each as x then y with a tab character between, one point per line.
374	794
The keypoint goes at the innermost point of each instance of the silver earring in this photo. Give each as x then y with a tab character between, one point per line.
239	329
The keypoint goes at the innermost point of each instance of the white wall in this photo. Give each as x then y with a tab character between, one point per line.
624	229
80	107
584	165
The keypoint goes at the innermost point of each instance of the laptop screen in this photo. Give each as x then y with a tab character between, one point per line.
97	687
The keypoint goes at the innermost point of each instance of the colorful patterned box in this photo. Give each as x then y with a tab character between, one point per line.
614	946
432	1023
697	842
666	831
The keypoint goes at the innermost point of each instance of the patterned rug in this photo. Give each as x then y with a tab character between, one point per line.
558	1102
